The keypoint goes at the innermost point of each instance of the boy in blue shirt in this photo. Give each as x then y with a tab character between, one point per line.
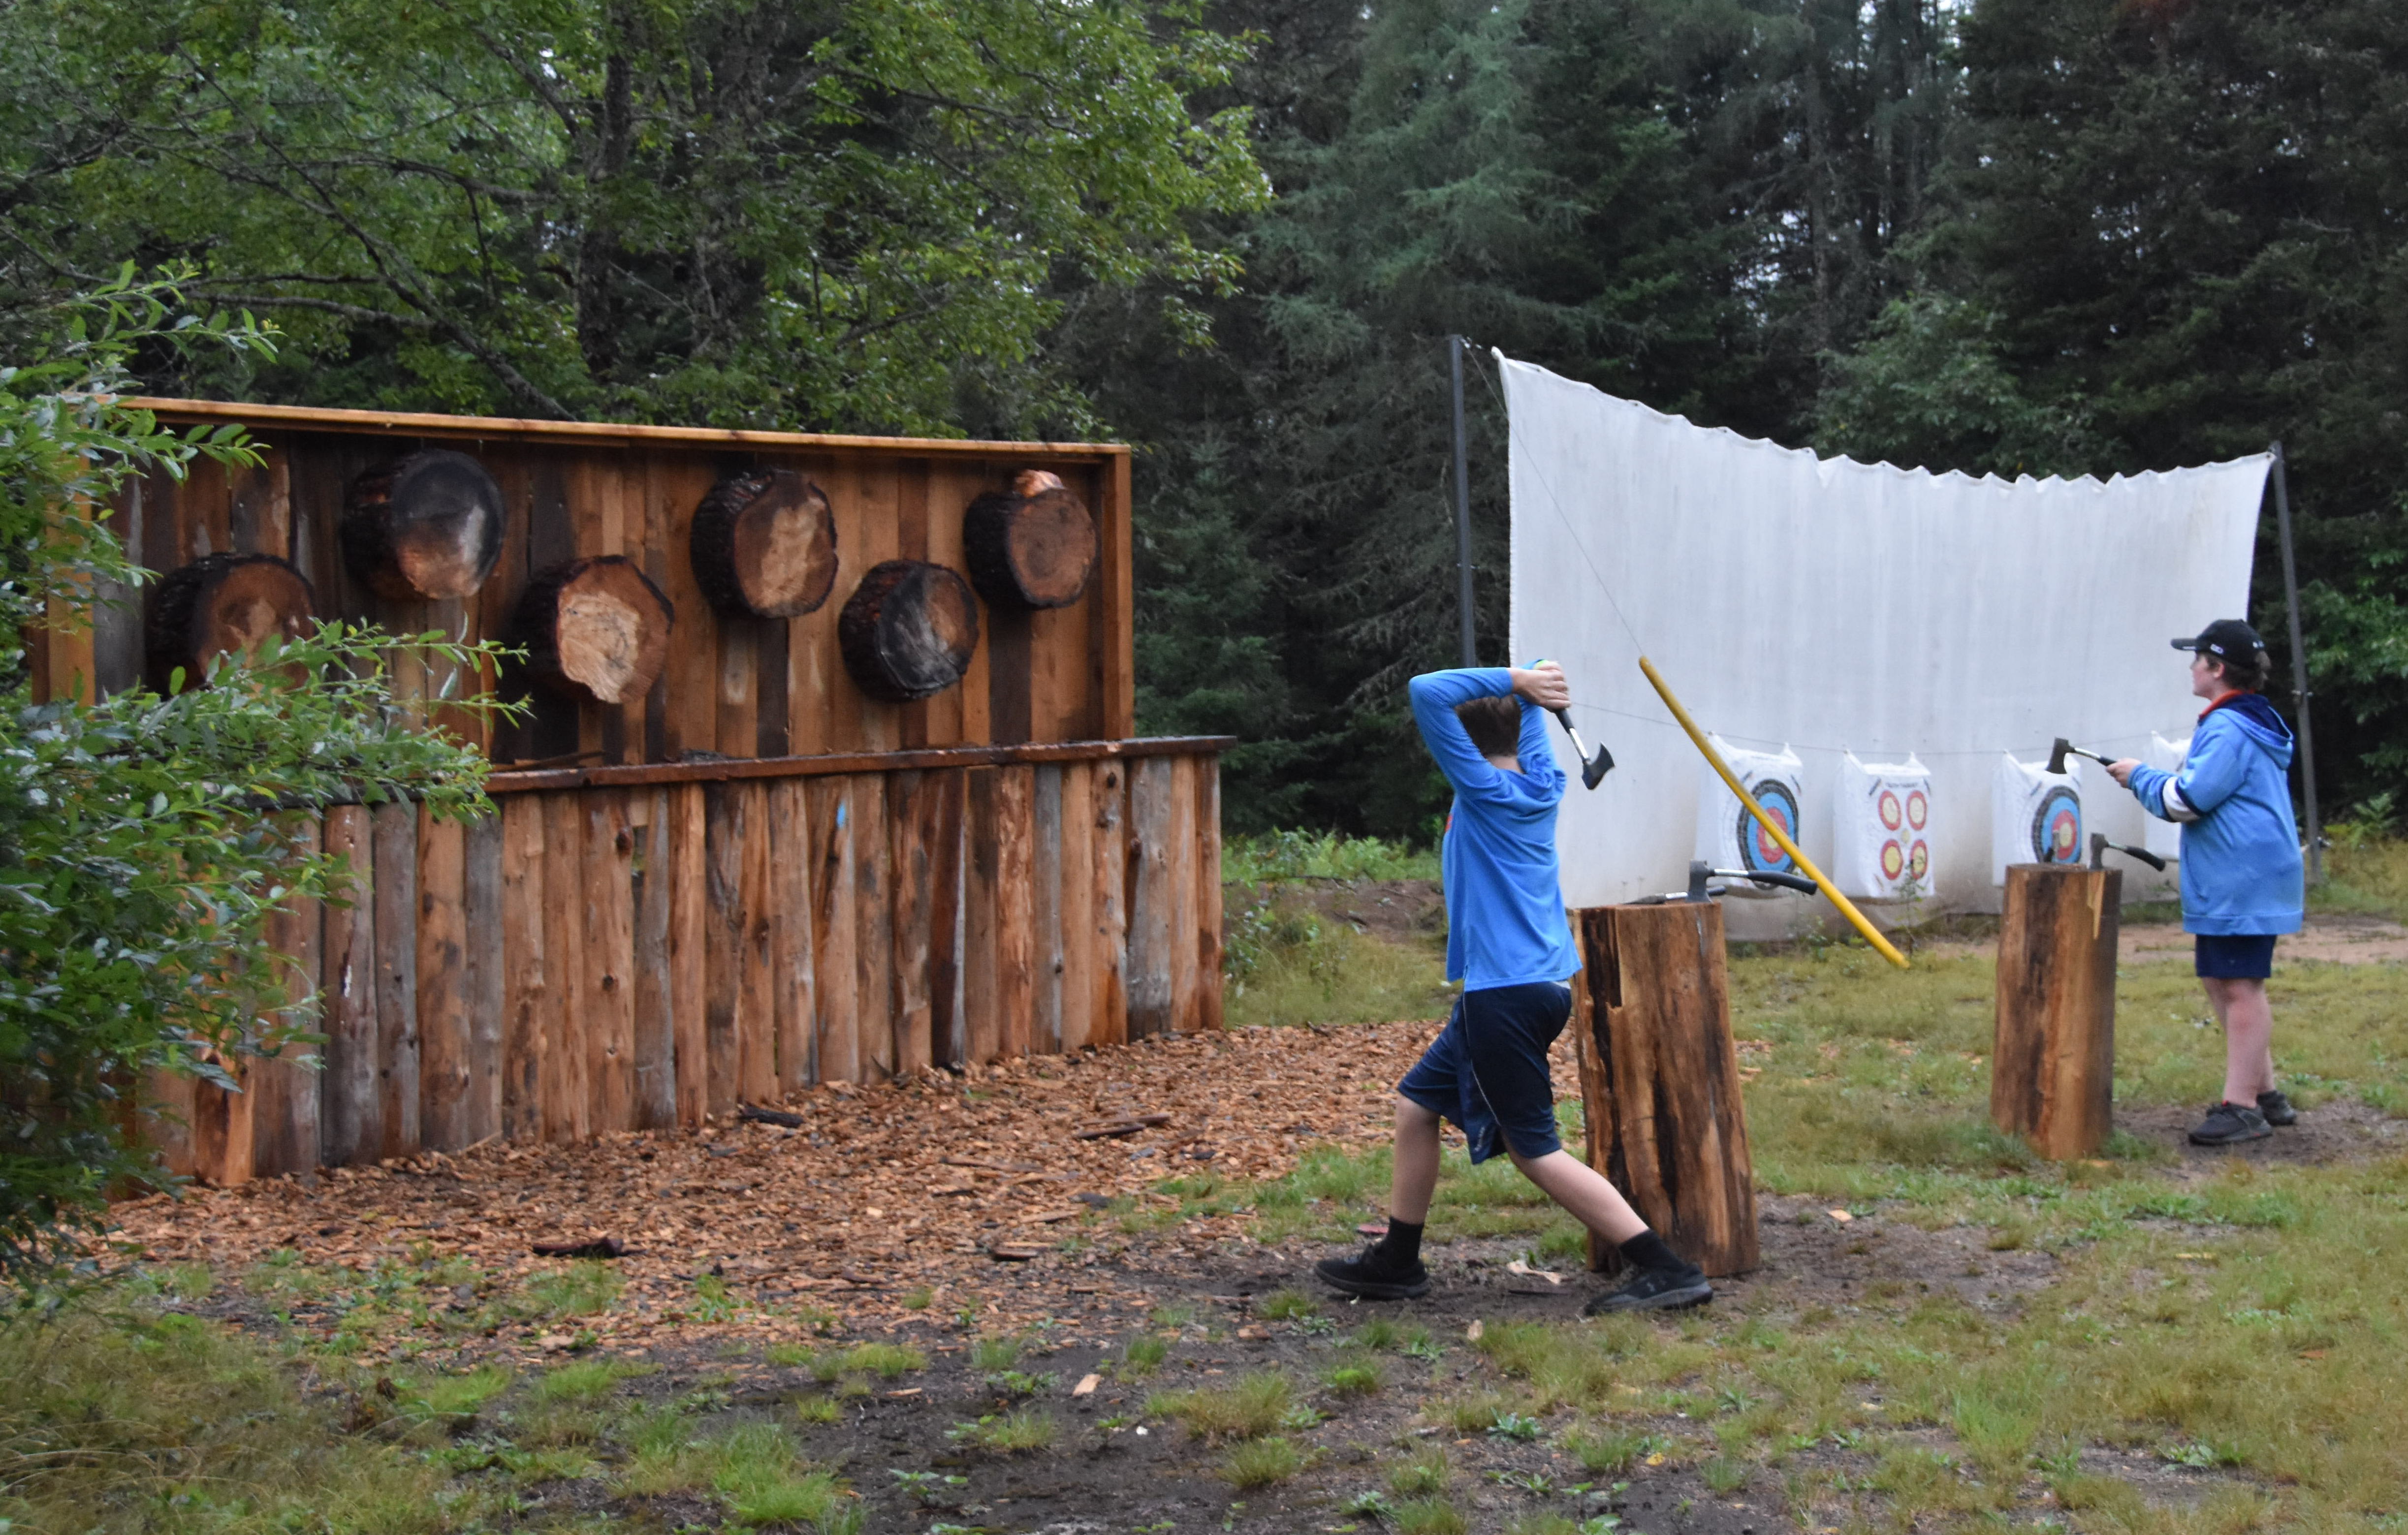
2241	874
1508	941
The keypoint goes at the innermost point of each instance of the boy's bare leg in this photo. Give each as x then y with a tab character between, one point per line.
2248	1021
1415	1171
1585	1192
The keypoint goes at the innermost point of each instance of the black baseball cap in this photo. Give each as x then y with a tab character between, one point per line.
2226	637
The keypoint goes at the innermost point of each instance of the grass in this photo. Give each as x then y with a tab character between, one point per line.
1143	1354
1261	1462
1255	1405
1321	855
887	1361
1016	1432
1283	964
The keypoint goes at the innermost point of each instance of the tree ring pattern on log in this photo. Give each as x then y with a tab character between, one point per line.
222	603
908	630
764	543
424	527
1033	546
595	628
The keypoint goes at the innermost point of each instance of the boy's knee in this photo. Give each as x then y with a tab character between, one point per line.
1411	1115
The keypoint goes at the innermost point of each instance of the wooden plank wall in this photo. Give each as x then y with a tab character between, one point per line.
733	686
598	959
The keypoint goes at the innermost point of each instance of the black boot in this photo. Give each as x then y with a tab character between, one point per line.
1663	1281
2230	1123
1389	1268
2277	1108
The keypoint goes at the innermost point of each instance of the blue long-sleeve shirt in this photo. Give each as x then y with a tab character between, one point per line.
1505	922
2241	868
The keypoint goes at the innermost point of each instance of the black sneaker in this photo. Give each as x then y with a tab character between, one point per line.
2277	1108
1655	1290
1374	1278
2230	1123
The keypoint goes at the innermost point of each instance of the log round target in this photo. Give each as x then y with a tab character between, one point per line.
1033	546
595	628
764	543
908	630
424	528
221	603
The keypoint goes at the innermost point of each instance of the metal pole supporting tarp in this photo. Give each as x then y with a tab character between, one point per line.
1462	507
2299	667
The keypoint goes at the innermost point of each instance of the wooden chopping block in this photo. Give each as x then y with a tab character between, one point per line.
2053	1054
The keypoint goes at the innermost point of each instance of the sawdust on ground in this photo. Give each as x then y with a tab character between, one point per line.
889	1202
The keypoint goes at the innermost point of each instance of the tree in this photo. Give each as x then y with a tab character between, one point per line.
841	216
140	847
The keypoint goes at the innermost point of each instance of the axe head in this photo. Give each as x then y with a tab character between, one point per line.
2057	754
1593	771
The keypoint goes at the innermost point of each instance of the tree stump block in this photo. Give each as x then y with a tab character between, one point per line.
595	628
764	544
1659	1079
2053	1057
1033	546
218	604
424	528
908	631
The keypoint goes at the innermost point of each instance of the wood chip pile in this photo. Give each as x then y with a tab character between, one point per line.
965	1186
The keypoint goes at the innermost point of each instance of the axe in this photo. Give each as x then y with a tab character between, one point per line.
2100	847
2063	749
1593	769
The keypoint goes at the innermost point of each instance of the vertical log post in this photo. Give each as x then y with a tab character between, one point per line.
1659	1079
2053	1060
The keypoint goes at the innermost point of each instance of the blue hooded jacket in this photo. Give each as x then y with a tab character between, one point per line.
1505	922
2241	866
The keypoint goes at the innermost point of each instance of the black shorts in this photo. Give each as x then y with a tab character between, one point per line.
2233	956
1488	1068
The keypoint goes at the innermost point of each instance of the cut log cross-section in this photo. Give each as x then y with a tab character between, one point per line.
908	630
425	528
764	544
596	627
221	604
1033	546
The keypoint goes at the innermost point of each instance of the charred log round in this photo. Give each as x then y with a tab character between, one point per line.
765	544
221	604
908	631
424	528
1033	546
595	628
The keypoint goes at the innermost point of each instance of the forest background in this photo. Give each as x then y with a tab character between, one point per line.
2011	236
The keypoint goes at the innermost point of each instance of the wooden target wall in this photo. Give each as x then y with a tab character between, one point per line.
756	875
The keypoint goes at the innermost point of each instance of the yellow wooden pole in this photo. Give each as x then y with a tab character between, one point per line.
1698	737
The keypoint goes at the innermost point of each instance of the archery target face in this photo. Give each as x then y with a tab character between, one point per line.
1892	814
1757	850
1893	861
1918	810
2056	828
1918	860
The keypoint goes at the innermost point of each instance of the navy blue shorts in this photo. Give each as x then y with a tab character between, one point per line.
2233	956
1488	1068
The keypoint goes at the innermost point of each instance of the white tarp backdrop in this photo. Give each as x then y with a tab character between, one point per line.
1829	607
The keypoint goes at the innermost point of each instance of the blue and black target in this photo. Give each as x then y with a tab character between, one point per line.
1757	852
2056	828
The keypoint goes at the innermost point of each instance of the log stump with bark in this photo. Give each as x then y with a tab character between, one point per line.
2053	1057
595	628
1033	546
1659	1079
908	630
424	528
764	544
222	603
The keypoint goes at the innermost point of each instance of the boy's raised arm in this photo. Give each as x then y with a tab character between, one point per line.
1435	695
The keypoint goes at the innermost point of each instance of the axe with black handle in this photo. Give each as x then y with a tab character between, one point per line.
1593	769
2063	749
2100	847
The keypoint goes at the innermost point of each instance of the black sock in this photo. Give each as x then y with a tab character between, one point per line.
1647	1250
1401	1248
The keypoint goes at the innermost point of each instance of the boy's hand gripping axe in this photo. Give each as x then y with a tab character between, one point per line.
1593	769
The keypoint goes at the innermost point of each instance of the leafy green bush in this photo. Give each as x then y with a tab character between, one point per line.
1321	855
141	851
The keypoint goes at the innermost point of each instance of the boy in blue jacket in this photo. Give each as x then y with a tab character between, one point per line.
1509	942
2241	874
